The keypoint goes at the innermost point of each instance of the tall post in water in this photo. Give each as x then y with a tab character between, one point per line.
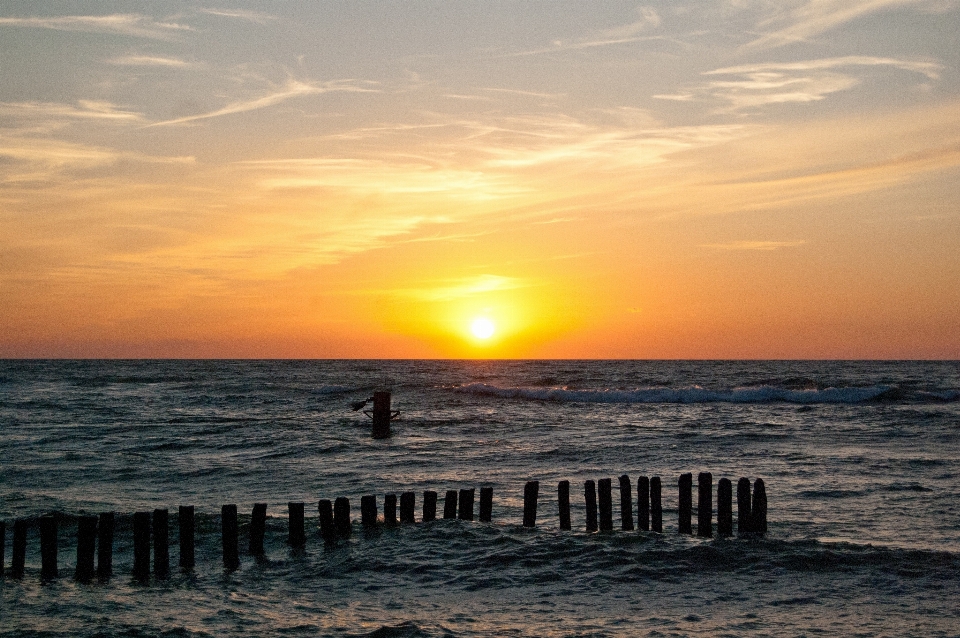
759	514
626	504
258	529
407	505
296	536
48	548
686	503
450	504
530	493
486	504
656	505
744	516
228	529
390	510
105	545
465	512
381	415
643	504
429	506
161	543
3	545
705	504
368	511
563	500
724	507
605	501
325	513
590	499
141	545
186	522
18	559
341	516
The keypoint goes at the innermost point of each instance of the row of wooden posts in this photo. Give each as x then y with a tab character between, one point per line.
95	533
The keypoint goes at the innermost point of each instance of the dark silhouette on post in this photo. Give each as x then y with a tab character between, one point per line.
685	503
390	510
228	529
724	508
759	513
429	506
530	492
382	415
368	511
486	504
643	504
590	498
465	512
341	516
605	502
161	543
656	505
86	548
186	523
744	516
450	504
105	545
563	501
705	505
626	504
258	529
141	545
408	501
296	535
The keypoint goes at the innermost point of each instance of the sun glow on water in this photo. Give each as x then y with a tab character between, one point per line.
482	328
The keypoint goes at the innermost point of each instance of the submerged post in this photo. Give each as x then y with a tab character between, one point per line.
724	507
530	492
626	504
759	514
685	503
325	513
705	504
450	504
368	511
390	510
429	506
486	504
19	557
186	522
296	537
590	498
605	501
656	505
407	505
228	528
563	500
258	529
643	504
744	516
466	505
141	545
105	545
381	415
341	516
161	543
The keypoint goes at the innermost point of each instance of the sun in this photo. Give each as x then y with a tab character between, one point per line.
482	328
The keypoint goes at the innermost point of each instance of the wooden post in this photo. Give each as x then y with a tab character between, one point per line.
390	510
705	504
686	503
744	517
3	546
429	506
407	505
466	505
327	530
258	529
86	548
228	529
18	559
563	500
450	504
341	516
759	509
105	545
161	543
530	492
381	415
643	504
590	497
724	507
296	536
186	522
626	504
48	548
368	511
656	505
141	545
605	502
486	504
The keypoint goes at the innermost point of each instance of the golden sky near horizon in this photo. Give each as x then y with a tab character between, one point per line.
729	179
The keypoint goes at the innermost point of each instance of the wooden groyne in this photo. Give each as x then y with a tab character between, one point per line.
150	530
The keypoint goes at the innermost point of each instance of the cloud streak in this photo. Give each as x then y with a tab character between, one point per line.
128	24
753	245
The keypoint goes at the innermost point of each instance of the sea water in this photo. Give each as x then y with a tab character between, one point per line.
861	462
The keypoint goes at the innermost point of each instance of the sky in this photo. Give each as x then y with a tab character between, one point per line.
698	180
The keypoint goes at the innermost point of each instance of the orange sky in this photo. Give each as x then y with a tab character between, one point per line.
636	181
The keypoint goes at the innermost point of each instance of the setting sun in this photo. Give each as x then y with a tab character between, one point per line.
482	328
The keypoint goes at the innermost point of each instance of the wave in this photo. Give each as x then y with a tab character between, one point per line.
697	394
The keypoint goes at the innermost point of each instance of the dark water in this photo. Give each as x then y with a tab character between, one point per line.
861	461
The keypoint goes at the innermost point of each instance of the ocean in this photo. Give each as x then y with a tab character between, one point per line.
861	463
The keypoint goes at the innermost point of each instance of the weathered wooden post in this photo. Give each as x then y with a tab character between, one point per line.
368	511
724	507
18	559
656	505
48	548
325	513
105	545
86	548
605	501
465	512
744	516
705	505
626	504
407	505
296	535
258	529
161	543
686	503
186	523
530	493
643	504
759	509
450	504
381	415
429	506
390	510
486	504
341	516
590	498
229	529
3	546
563	500
141	545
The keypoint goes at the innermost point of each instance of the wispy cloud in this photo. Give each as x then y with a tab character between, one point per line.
149	60
648	20
241	14
129	24
84	110
755	245
461	288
